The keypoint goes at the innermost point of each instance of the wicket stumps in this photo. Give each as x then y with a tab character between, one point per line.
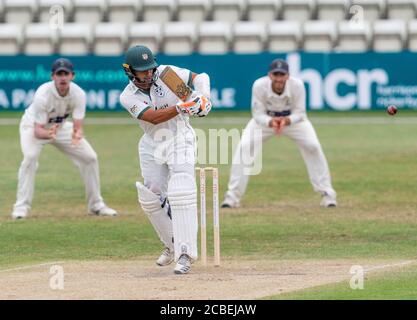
203	215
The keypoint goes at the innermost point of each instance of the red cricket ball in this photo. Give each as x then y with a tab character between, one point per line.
392	110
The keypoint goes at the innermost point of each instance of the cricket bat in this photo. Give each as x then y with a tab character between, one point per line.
175	84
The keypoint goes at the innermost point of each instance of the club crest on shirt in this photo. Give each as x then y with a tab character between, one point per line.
133	109
159	91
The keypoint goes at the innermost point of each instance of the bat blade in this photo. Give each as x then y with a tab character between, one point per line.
175	84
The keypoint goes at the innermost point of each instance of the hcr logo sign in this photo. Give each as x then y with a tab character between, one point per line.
325	89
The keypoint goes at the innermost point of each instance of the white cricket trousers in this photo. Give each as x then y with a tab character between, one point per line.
168	170
303	134
82	155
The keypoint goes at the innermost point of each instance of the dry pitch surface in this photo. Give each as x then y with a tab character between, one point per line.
142	280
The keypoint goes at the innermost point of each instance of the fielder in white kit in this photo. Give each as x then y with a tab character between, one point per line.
278	108
45	122
168	195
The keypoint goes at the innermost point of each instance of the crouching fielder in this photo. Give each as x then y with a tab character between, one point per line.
278	108
168	194
45	122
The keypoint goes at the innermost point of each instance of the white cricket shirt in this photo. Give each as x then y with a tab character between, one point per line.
291	99
137	101
48	107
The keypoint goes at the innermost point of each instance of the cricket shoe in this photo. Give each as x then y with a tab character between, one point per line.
19	214
328	201
165	258
229	204
183	265
105	211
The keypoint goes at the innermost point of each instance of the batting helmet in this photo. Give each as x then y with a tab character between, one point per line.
139	58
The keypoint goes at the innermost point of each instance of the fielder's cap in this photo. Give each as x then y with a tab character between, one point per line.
62	64
278	65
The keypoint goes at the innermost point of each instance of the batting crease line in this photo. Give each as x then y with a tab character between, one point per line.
31	266
391	265
61	262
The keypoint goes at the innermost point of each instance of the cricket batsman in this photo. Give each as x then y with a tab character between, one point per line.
168	194
278	108
45	122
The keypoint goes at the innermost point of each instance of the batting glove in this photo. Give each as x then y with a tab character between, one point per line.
205	106
195	107
190	107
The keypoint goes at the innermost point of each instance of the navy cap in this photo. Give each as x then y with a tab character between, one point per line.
278	65
62	64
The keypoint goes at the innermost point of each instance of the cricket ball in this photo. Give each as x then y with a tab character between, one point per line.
392	110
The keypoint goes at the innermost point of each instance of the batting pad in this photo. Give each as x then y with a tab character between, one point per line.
182	195
158	216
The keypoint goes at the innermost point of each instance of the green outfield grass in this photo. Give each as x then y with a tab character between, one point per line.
235	113
388	286
374	170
